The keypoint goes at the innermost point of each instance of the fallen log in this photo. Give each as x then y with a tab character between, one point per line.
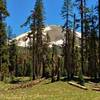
78	85
96	89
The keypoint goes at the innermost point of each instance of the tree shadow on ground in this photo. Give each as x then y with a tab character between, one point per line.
19	80
76	79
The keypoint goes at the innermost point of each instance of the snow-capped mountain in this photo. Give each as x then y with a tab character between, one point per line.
55	33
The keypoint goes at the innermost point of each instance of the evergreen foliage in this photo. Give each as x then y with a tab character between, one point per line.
4	61
39	59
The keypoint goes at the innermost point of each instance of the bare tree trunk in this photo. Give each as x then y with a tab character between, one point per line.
58	69
73	49
82	36
33	52
0	52
99	35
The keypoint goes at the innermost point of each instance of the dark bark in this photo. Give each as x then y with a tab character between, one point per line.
33	50
73	49
43	72
58	69
99	33
82	37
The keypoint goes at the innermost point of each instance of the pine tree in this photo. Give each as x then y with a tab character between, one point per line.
99	34
73	47
3	42
58	67
39	27
45	55
12	51
86	34
36	22
12	58
82	55
81	9
54	63
66	14
33	47
93	47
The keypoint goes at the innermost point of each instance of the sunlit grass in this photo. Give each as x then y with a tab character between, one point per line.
47	91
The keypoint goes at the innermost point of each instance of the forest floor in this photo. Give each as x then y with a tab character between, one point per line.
45	90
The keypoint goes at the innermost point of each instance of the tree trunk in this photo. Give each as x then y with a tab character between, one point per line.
82	36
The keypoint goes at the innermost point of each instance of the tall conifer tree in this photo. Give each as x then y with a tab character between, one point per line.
99	33
39	18
66	14
3	41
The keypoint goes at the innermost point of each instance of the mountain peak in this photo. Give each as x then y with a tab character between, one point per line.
54	31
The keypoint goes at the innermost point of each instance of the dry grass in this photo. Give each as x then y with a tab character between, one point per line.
47	91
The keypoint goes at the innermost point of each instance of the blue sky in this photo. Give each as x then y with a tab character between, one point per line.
20	9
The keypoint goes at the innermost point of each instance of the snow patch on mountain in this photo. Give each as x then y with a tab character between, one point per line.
58	43
54	31
78	34
22	35
46	29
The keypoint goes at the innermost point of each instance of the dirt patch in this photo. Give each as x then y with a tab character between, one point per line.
26	85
